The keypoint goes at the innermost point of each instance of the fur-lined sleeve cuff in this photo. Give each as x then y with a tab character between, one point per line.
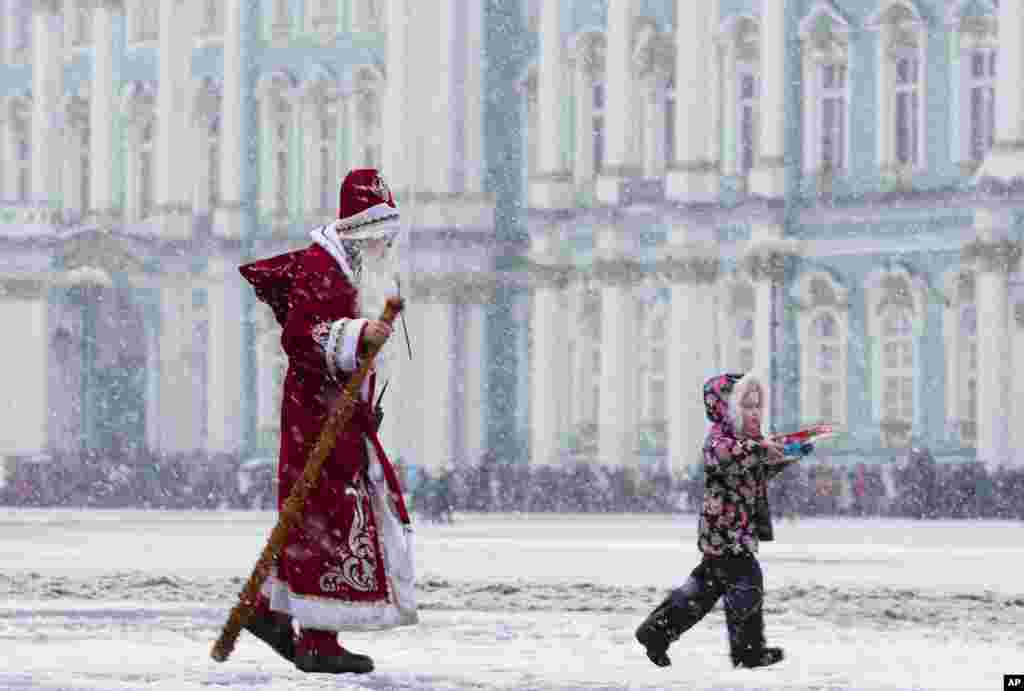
343	345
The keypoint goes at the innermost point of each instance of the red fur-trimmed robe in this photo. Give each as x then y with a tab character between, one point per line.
350	565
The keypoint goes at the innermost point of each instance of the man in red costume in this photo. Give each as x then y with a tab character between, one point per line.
349	566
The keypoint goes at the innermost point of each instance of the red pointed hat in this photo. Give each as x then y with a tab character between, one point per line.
366	207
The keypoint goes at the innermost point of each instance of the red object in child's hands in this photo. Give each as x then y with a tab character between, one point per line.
807	435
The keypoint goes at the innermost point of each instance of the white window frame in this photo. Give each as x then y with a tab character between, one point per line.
280	159
211	19
900	368
968	371
747	104
21	157
820	296
598	130
146	164
367	16
900	38
143	20
745	334
824	36
983	86
212	135
78	24
588	57
915	119
671	103
18	37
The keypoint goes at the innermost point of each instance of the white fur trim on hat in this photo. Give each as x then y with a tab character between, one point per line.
378	221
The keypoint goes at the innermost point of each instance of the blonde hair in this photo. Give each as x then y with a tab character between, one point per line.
741	388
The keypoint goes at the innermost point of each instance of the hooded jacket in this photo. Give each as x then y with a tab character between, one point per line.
735	510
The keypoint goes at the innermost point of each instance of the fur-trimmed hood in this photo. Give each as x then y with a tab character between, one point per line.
722	395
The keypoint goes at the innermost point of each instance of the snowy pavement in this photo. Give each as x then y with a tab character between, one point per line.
111	601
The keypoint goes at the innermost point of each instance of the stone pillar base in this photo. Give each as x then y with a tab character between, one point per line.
552	192
768	180
1004	163
693	185
227	222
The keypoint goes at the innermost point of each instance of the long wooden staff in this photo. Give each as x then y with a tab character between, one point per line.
291	514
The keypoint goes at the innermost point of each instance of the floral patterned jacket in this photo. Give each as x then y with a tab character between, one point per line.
735	477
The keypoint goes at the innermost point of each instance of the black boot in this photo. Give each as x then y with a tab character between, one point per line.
319	652
757	657
343	663
275	632
658	632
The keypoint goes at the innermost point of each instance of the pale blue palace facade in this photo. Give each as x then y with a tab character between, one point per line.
607	200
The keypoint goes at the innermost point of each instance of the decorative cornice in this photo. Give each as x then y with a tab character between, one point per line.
1001	256
618	272
694	269
100	250
22	289
770	260
698	166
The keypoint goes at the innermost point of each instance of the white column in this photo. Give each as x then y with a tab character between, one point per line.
551	188
437	439
768	178
101	110
441	140
583	76
24	410
227	220
694	177
171	190
547	390
1006	159
619	342
654	126
730	93
47	86
395	153
473	88
690	352
1017	365
178	431
474	394
994	359
619	158
224	362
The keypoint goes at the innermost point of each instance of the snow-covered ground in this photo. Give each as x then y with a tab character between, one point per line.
133	600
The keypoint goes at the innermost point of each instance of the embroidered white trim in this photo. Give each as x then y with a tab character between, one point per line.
378	221
399	568
332	243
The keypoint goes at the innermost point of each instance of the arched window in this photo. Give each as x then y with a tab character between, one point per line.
897	365
211	19
78	23
825	49
974	62
823	327
143	20
275	92
19	36
901	86
145	175
741	78
367	15
76	160
588	58
653	415
969	374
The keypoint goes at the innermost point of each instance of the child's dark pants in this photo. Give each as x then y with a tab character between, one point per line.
738	579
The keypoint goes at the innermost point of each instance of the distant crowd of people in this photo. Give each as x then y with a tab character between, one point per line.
914	486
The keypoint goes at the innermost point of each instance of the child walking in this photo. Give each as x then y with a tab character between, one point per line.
735	517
